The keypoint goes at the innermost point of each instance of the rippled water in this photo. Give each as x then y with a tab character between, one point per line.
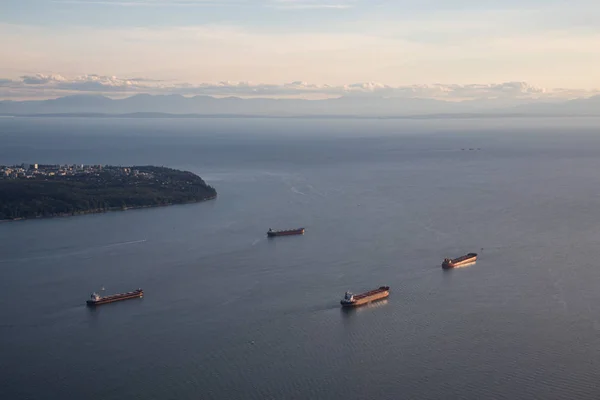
230	314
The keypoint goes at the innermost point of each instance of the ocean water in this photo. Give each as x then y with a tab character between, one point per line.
230	314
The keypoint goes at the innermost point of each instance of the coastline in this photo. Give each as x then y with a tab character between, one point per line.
105	210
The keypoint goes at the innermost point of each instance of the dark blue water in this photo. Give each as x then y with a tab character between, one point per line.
230	314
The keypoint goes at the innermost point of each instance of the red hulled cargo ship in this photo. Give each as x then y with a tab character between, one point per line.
460	261
355	300
97	300
272	233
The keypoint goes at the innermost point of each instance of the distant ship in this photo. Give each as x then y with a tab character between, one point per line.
299	231
460	261
355	300
97	300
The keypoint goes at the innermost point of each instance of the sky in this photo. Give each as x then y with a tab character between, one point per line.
300	48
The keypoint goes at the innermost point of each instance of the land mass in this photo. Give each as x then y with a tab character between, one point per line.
36	191
172	106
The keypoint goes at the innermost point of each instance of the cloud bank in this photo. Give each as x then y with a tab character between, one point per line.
278	4
329	47
39	86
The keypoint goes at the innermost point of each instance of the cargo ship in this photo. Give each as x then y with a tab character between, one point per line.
97	300
355	300
460	261
272	233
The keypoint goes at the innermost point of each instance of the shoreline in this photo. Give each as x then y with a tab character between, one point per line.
105	210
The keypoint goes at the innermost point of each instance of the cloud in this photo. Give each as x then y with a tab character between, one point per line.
152	3
310	4
279	4
506	90
52	85
40	79
93	83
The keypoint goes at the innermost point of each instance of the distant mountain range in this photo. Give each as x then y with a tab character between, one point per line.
145	105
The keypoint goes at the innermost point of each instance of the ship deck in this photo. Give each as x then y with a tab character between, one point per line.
287	230
119	296
371	292
463	258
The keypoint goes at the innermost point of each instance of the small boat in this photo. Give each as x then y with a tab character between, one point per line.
97	300
355	300
460	261
299	231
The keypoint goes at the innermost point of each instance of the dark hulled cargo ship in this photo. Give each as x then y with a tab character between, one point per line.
460	261
97	300
355	300
272	233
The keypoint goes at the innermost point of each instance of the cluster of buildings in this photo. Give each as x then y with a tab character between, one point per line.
40	171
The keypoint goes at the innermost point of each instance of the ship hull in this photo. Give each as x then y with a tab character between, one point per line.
364	301
115	298
460	262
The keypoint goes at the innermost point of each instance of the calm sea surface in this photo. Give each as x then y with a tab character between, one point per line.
230	314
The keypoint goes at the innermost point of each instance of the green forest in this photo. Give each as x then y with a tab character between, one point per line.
108	189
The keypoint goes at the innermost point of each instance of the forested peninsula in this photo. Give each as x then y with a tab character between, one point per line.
37	191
